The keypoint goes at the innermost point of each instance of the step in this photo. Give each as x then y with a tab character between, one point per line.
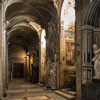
65	95
69	92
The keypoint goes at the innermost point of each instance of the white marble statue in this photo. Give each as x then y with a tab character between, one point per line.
96	60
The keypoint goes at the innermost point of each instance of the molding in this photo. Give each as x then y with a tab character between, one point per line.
87	65
92	10
87	27
96	30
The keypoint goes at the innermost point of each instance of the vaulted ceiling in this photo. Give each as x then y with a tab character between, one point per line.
19	14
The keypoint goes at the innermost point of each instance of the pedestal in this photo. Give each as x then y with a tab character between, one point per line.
91	91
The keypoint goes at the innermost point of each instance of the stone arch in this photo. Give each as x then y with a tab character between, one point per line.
36	21
92	13
15	8
21	18
12	5
19	26
29	24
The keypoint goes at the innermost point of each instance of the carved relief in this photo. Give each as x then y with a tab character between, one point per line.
86	75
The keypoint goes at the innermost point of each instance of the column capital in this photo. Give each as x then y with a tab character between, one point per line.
87	27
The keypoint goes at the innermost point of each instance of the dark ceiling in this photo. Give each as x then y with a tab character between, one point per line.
38	11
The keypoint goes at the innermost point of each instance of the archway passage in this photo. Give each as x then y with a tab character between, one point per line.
67	47
22	53
25	25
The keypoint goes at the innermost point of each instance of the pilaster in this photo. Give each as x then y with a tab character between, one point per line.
1	68
87	67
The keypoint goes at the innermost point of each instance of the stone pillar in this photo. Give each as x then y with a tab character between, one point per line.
39	32
7	69
1	68
27	64
4	43
4	49
4	58
87	67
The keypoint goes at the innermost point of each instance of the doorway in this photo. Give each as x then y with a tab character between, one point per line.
18	70
67	47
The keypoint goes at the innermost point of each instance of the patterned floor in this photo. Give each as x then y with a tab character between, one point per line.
27	91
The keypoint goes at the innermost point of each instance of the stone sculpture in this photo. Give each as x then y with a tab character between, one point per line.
96	60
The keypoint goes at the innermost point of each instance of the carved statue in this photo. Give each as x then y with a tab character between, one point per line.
96	60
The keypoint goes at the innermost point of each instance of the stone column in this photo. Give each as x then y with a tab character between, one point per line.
87	67
7	69
1	68
4	49
4	58
27	65
39	32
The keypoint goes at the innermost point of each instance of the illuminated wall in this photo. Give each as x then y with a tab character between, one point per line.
17	55
43	57
67	40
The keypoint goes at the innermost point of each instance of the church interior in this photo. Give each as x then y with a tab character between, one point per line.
49	49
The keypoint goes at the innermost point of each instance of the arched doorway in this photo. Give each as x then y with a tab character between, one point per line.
67	47
23	16
23	53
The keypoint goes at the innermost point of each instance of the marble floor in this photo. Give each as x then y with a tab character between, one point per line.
28	91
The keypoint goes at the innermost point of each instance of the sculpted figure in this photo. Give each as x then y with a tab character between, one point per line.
96	60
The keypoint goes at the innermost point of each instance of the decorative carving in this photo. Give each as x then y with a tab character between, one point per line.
96	60
86	75
51	74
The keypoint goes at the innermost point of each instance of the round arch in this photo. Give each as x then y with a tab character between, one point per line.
21	18
19	26
92	13
12	6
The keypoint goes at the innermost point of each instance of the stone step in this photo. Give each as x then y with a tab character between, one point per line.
65	95
69	92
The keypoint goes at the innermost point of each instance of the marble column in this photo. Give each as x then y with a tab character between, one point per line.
1	68
87	67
